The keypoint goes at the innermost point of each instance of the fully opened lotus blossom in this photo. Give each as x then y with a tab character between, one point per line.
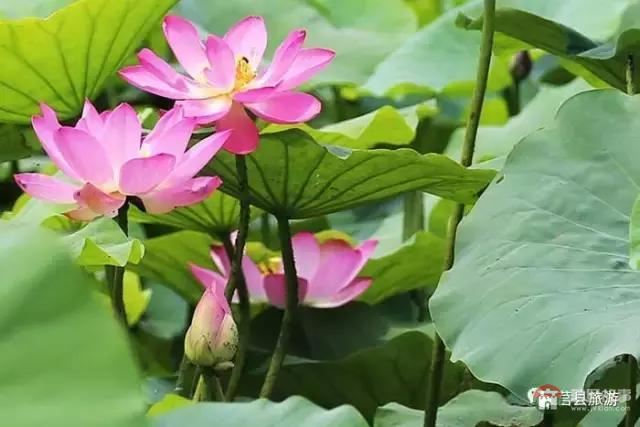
105	159
327	272
212	337
225	77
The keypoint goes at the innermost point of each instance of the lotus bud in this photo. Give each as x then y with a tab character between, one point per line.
212	338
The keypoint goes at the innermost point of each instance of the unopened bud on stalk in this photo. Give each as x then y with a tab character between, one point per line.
212	338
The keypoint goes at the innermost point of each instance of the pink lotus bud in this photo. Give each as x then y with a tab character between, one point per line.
212	338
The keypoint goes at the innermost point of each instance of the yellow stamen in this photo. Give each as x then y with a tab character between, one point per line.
244	73
272	265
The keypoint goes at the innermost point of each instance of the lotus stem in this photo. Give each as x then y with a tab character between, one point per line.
212	381
237	278
632	411
437	362
185	371
280	351
630	75
115	274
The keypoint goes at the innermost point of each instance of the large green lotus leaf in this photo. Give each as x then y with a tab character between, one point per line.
218	214
373	28
468	409
80	371
293	412
607	61
541	290
442	56
385	125
368	378
495	142
291	175
399	272
66	58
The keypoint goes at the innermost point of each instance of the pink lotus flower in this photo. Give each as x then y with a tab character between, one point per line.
225	77
327	272
212	337
105	159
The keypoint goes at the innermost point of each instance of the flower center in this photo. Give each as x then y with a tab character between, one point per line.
244	73
270	266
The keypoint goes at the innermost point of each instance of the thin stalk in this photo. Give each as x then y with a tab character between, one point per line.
185	372
265	229
214	389
631	411
280	351
512	97
437	362
115	274
413	222
230	250
201	392
237	277
630	73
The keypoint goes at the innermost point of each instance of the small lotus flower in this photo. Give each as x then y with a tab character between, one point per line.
225	76
327	272
105	159
212	338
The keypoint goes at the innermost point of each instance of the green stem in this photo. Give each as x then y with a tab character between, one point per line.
265	229
413	215
280	351
115	274
230	251
437	362
214	389
632	412
512	97
413	222
185	372
237	277
630	75
201	392
547	419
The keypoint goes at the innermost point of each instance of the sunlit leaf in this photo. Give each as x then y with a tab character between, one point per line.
169	403
293	412
68	57
136	299
385	125
102	242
